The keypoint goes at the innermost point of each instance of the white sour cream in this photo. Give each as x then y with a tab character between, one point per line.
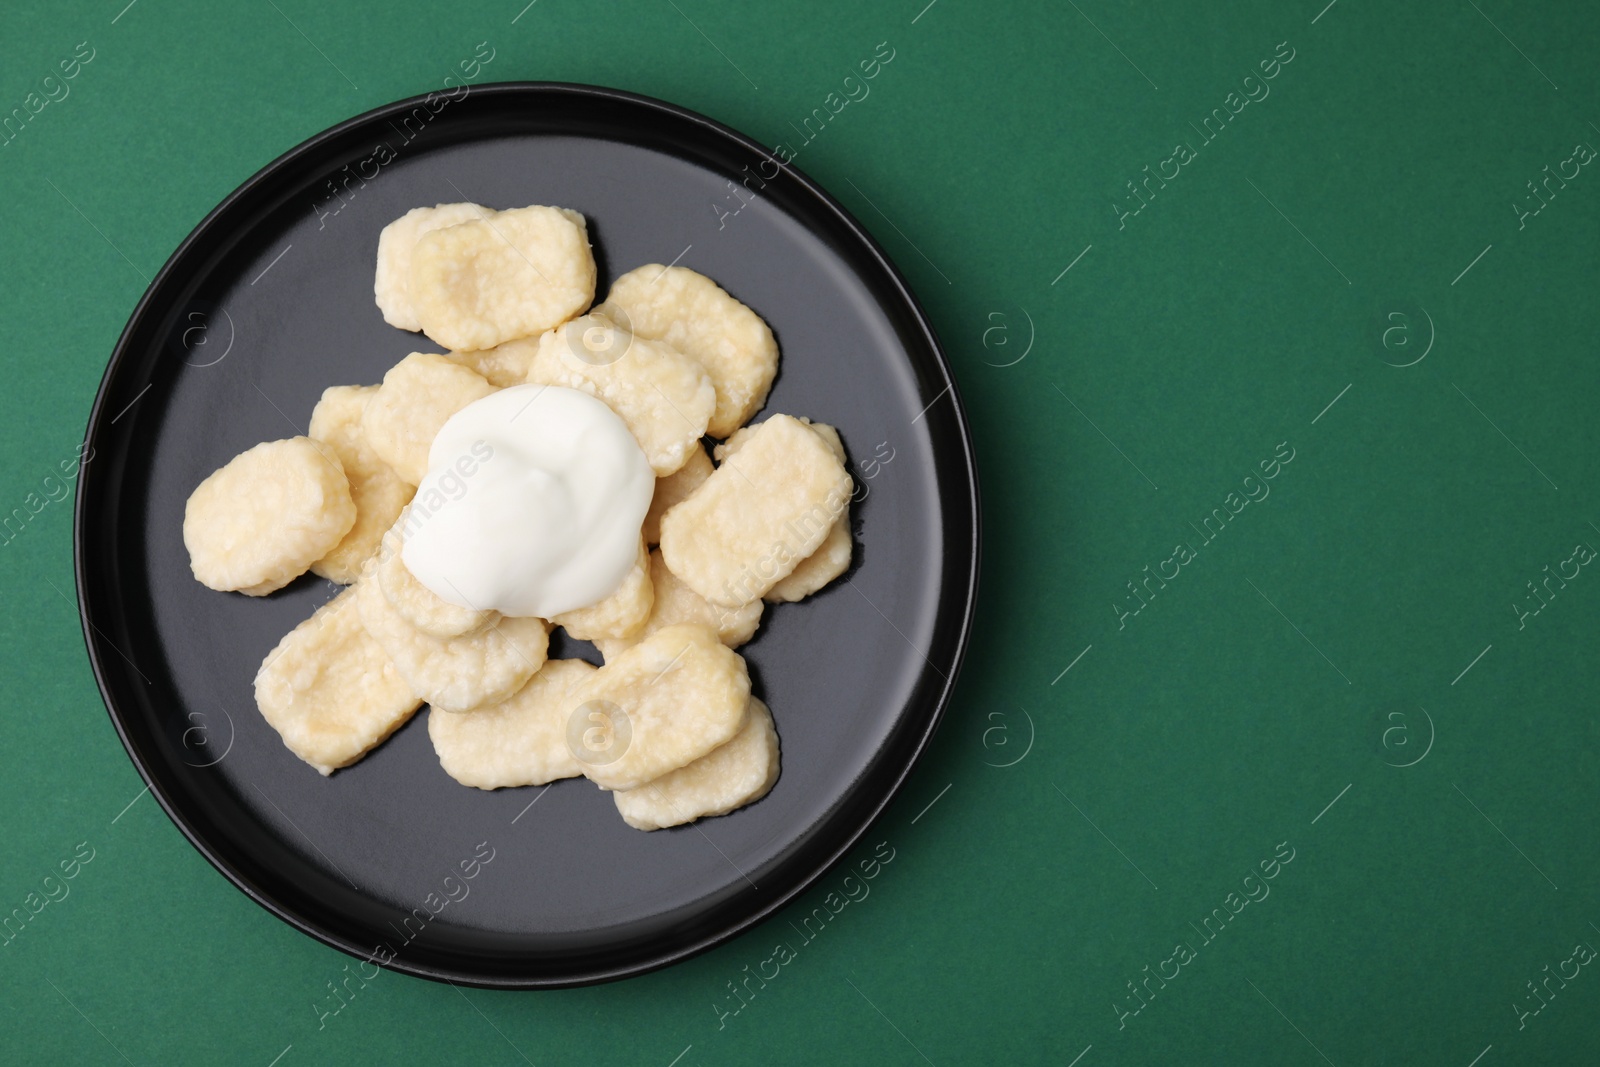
532	504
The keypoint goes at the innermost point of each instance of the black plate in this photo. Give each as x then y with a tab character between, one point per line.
269	301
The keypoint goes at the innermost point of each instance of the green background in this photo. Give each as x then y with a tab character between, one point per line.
1358	618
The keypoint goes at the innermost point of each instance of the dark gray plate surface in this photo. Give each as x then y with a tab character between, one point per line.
270	301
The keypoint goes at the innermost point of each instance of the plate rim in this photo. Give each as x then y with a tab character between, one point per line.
546	91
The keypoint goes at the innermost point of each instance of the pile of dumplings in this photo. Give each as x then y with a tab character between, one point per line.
669	724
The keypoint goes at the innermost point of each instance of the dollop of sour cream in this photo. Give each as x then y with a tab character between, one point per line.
532	504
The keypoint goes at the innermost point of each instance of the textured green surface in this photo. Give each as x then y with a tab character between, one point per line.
1285	668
